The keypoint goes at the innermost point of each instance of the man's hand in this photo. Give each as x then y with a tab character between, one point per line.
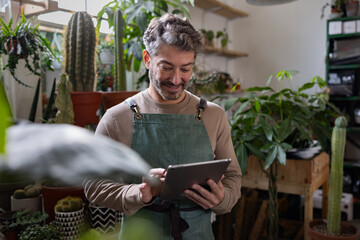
205	198
147	190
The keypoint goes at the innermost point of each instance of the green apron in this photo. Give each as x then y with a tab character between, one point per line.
164	139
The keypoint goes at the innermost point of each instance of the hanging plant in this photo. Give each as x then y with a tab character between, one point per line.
24	42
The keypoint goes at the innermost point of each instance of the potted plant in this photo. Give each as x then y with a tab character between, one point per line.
80	51
69	214
268	123
208	36
27	198
223	38
341	8
334	228
20	220
53	191
106	50
24	42
41	232
103	219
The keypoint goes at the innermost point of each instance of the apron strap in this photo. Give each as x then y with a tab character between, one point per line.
178	224
201	107
133	106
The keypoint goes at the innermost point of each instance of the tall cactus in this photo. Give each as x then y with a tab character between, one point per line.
338	140
65	113
80	46
120	76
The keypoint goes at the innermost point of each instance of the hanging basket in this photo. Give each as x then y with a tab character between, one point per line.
71	223
104	219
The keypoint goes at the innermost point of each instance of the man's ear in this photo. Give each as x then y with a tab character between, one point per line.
146	58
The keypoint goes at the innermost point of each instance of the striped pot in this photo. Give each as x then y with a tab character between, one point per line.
71	223
104	219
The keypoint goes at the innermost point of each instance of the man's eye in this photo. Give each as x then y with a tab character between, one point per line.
185	70
166	68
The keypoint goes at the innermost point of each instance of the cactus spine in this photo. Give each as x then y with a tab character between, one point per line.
120	76
80	46
65	113
338	140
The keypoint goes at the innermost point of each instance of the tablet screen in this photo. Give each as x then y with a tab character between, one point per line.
182	176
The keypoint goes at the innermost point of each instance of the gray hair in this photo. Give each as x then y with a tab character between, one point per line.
172	30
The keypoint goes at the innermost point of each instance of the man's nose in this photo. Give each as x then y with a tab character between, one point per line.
176	77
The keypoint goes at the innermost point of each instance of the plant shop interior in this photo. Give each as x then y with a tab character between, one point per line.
285	72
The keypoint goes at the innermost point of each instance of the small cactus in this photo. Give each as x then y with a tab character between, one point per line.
31	191
19	194
69	204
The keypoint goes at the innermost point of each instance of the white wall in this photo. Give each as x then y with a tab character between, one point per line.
290	36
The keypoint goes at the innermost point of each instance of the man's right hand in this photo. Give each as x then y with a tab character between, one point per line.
148	190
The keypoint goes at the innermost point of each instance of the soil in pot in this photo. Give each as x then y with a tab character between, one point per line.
317	231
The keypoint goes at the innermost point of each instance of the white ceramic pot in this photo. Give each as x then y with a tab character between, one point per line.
71	223
107	56
33	204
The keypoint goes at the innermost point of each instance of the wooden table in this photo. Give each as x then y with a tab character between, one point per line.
300	177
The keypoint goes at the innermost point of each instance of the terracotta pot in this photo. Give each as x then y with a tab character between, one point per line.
33	204
352	8
110	99
53	194
86	107
345	228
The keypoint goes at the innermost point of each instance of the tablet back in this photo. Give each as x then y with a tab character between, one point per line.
182	176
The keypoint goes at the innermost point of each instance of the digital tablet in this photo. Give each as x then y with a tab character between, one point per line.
183	176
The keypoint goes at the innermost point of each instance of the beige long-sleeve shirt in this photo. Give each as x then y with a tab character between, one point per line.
117	124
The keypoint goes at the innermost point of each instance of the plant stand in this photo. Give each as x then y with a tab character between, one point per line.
301	177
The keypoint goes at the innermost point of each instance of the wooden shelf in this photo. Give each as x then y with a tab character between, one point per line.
224	52
220	8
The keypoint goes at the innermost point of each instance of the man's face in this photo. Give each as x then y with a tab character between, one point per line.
170	72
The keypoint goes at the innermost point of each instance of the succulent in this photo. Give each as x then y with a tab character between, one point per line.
69	204
29	191
80	52
65	113
19	194
338	140
120	75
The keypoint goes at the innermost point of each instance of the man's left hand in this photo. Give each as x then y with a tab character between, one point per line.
205	198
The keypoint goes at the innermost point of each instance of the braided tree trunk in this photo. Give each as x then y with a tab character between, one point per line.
80	46
120	75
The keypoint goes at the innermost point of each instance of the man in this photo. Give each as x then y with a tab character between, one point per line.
166	125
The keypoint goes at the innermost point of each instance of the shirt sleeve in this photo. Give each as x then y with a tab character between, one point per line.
232	181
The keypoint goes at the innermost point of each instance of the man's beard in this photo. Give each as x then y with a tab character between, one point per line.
163	93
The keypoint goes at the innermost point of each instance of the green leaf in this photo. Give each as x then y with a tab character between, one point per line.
281	155
270	157
6	118
242	156
35	103
141	21
284	130
257	106
229	103
254	150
